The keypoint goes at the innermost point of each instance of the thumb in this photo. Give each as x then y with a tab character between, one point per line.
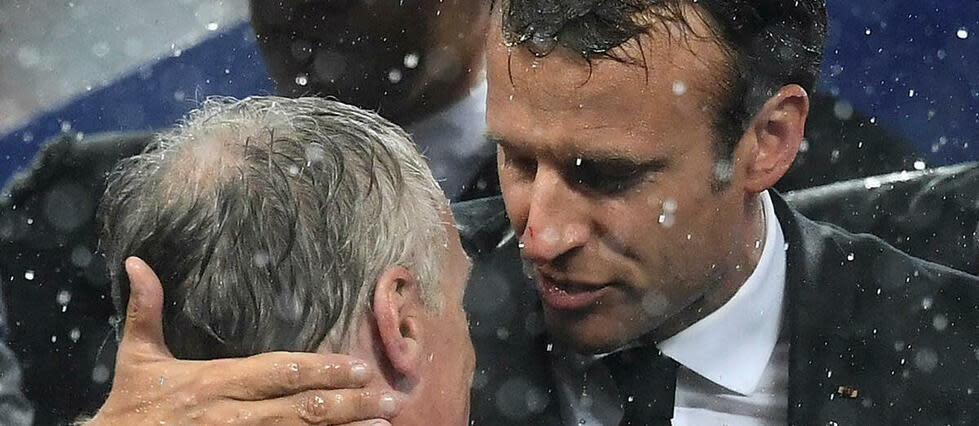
144	314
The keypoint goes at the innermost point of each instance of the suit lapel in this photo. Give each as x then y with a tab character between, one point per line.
819	297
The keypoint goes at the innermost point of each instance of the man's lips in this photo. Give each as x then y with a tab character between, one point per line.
568	295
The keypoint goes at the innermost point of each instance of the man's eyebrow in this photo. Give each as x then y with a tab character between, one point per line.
623	163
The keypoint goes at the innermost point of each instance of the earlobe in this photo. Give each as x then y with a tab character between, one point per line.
396	306
779	128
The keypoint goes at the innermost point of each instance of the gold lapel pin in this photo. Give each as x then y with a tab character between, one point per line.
848	392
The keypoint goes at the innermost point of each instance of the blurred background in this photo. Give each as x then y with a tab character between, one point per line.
103	65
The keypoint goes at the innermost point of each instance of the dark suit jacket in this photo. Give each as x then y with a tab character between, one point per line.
901	331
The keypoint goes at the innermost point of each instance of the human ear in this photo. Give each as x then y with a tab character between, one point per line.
777	130
397	307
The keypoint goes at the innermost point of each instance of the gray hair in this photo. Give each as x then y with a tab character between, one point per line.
269	220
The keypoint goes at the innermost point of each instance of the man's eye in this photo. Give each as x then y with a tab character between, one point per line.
606	180
523	165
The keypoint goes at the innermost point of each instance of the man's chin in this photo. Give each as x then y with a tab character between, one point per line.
585	334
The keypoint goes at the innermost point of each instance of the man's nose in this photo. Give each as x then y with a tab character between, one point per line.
556	222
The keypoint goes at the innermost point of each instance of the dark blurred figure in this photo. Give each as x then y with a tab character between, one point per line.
417	63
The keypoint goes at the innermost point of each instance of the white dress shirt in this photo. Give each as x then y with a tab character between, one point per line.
733	362
454	140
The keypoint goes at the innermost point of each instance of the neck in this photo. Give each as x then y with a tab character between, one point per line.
732	273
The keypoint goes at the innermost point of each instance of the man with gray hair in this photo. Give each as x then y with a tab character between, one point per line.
298	225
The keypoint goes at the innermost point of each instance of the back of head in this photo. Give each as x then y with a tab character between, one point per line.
268	219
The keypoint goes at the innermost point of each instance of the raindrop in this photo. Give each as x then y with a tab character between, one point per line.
29	275
926	303
919	165
850	257
64	296
54	338
723	171
65	126
302	79
925	359
411	61
100	374
867	31
655	303
843	110
962	33
75	334
261	259
294	170
577	161
212	26
911	93
940	322
100	49
871	183
394	76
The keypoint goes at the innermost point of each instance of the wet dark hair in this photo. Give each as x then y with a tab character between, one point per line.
770	43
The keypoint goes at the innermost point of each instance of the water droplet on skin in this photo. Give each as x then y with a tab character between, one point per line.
679	88
667	216
29	275
520	245
577	161
302	79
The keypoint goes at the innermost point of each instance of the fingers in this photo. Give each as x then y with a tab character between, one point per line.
372	422
275	374
144	314
325	408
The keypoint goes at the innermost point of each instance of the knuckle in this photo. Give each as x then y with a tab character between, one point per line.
314	407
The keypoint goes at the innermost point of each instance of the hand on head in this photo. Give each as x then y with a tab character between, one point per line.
151	385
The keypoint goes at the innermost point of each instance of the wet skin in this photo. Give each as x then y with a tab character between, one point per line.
607	173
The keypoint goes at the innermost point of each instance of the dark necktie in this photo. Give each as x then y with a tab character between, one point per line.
646	380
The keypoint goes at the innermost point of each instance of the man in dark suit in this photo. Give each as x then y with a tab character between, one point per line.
637	142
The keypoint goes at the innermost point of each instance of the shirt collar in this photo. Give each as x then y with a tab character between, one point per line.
732	346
